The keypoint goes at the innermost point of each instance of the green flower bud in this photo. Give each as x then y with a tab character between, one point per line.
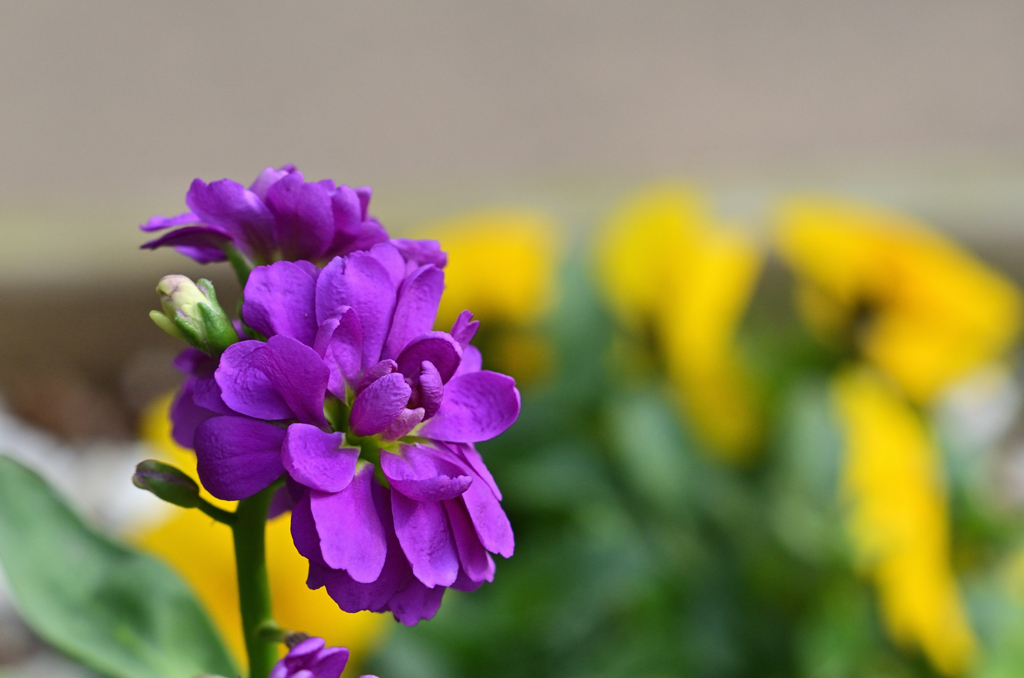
191	312
168	483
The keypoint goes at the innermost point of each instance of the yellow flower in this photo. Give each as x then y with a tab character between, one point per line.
201	551
672	272
922	309
502	266
899	520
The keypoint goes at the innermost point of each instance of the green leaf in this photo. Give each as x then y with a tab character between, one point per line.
649	446
122	613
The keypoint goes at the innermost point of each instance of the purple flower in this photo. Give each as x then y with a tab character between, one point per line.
280	216
311	659
352	366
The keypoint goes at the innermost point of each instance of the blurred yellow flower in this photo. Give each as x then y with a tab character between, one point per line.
502	265
919	307
899	520
202	553
672	272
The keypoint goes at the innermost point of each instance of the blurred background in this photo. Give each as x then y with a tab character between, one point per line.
771	411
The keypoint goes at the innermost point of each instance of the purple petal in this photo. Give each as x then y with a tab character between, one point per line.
476	406
416	602
299	376
472	361
201	368
464	583
310	646
359	281
364	193
352	596
489	519
351	533
383	368
379	404
426	539
230	206
206	393
315	575
195	363
340	342
160	223
391	260
405	422
305	535
352	232
416	308
430	389
317	459
468	455
279	300
303	222
281	503
421	252
371	234
268	178
348	213
244	386
465	328
476	562
418	475
311	659
202	255
437	347
237	457
186	416
205	241
330	662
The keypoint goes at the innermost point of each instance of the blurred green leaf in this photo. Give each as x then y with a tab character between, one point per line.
647	441
805	479
121	613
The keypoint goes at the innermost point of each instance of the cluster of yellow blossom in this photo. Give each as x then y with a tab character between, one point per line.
917	313
670	269
899	519
913	303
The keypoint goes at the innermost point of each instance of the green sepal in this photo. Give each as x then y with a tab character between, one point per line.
189	331
219	332
167	482
166	324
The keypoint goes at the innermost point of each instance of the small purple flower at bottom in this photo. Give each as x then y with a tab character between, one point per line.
312	659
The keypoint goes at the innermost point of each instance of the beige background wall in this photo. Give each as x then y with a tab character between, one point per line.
132	94
109	108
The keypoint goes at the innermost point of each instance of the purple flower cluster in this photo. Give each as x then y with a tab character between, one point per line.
280	216
347	391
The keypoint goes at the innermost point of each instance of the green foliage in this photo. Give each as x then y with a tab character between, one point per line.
119	612
639	553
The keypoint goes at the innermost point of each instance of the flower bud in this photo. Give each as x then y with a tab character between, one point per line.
191	312
167	482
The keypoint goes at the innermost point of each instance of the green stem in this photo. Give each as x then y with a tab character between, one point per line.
249	529
218	514
238	262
